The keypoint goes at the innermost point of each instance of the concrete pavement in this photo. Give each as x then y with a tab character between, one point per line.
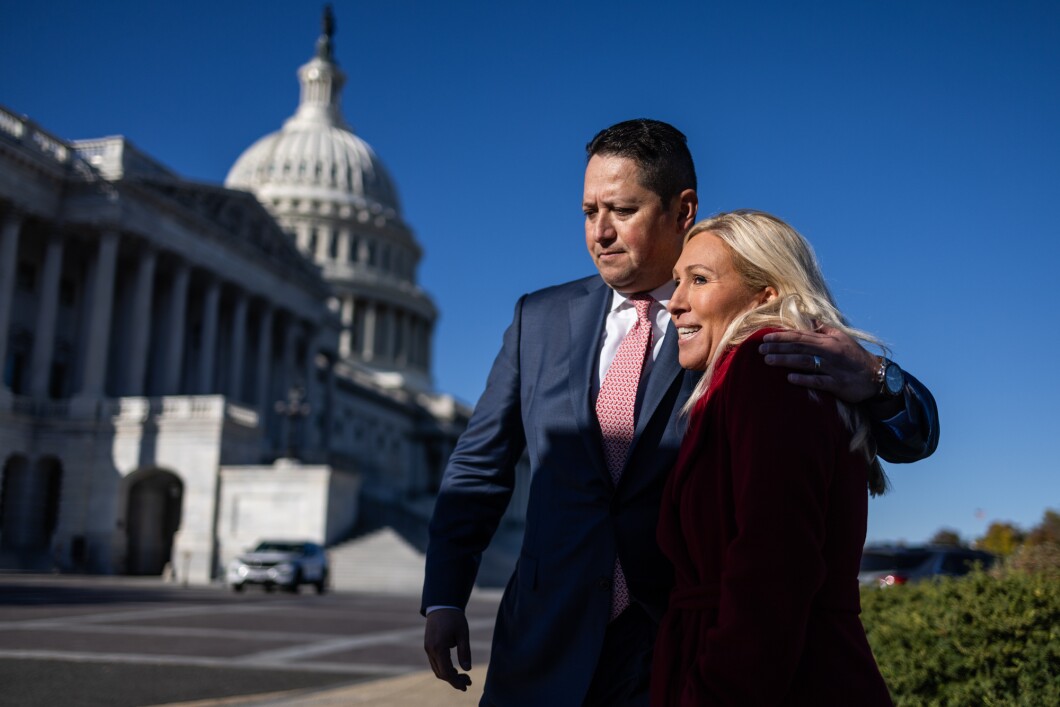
415	689
131	642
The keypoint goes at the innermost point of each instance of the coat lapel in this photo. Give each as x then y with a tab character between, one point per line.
664	370
587	315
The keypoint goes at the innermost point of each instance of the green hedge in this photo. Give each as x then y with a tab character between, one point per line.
984	639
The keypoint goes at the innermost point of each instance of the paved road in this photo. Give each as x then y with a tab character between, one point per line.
95	641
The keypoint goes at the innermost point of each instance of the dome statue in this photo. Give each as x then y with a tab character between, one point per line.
329	190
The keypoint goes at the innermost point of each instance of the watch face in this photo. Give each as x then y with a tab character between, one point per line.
893	379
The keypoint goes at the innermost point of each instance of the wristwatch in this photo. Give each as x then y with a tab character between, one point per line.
890	378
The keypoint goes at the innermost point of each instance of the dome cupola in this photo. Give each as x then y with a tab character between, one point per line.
315	155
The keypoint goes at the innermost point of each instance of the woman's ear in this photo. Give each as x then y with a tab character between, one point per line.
768	294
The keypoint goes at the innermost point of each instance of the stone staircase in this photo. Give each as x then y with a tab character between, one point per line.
380	561
383	561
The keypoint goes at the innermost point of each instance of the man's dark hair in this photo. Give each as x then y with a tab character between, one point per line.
659	149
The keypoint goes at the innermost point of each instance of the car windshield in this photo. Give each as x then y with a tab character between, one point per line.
272	546
876	561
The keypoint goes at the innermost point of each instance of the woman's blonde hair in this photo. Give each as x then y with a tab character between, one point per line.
767	252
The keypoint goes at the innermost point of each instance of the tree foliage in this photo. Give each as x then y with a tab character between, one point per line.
946	536
1001	539
1047	532
990	638
984	639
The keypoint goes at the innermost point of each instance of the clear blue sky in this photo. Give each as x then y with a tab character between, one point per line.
916	144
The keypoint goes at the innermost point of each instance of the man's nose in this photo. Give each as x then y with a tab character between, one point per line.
603	229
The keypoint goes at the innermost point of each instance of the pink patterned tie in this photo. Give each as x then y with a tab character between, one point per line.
614	411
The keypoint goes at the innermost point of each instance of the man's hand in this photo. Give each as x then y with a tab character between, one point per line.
447	628
845	369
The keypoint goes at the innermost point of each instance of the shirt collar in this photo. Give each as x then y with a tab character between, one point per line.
660	294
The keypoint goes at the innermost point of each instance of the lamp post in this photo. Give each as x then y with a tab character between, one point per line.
292	408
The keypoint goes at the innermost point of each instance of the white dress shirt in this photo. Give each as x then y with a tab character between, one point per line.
621	318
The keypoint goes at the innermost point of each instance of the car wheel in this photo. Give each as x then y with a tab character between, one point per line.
322	583
270	588
238	588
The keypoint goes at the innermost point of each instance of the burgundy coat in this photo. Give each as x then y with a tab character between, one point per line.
764	520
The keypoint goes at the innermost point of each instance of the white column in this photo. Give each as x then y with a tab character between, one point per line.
312	393
343	255
346	334
403	355
287	374
302	237
172	363
264	359
368	353
99	322
44	335
410	343
420	339
329	406
323	244
239	345
290	338
391	334
426	346
140	325
8	259
208	342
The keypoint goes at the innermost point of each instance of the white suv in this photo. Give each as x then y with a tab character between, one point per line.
280	563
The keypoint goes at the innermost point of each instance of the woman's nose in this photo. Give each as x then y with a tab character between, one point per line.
676	304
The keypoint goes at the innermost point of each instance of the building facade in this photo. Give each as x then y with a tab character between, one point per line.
164	342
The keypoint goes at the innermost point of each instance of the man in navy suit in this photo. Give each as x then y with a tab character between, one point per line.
556	641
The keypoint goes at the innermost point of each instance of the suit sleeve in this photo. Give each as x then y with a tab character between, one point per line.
912	434
478	481
780	446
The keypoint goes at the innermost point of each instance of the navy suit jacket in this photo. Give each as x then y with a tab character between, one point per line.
555	609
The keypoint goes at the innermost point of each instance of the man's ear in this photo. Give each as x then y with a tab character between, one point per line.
688	207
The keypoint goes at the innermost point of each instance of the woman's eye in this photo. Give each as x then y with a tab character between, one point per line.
699	280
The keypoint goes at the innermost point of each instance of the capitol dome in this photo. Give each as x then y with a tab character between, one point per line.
323	161
329	191
316	155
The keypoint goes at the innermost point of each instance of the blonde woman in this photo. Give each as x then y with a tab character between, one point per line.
764	514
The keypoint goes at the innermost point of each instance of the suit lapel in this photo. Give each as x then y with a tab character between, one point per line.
587	315
664	370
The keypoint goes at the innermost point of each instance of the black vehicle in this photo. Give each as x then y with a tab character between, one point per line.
887	565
